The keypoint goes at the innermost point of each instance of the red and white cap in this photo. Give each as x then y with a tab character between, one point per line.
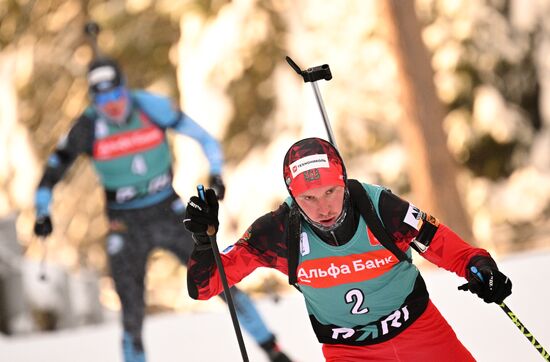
310	163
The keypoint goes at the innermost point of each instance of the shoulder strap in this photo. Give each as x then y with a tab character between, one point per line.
364	204
293	230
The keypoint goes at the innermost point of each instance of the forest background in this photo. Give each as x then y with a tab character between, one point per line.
444	102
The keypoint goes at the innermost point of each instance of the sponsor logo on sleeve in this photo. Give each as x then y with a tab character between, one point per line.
247	234
413	216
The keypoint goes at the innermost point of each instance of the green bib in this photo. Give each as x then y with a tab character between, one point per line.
133	159
357	293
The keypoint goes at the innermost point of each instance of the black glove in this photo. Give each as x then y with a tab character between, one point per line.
199	215
485	280
43	226
216	183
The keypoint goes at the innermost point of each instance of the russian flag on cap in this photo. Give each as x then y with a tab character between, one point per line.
311	163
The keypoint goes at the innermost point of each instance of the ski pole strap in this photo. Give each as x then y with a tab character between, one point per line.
293	239
525	332
364	204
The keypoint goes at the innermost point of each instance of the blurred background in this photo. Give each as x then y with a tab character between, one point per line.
445	102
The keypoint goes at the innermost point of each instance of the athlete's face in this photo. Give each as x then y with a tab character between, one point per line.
113	104
322	204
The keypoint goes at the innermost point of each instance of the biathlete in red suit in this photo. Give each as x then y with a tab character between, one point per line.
365	298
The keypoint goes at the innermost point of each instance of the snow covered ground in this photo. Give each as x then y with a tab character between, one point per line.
209	336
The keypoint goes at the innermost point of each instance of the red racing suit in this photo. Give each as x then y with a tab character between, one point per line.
264	244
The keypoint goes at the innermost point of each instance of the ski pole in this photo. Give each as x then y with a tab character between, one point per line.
211	232
517	322
312	75
525	331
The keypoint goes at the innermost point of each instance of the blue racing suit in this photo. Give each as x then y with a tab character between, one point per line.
134	164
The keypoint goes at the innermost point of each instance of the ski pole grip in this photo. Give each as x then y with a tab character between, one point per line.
211	230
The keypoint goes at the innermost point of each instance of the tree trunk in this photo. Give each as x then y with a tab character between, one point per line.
432	170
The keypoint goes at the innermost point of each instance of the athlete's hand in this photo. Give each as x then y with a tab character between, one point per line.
486	281
200	215
216	183
43	226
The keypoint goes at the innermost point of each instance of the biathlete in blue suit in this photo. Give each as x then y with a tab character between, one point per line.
124	134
